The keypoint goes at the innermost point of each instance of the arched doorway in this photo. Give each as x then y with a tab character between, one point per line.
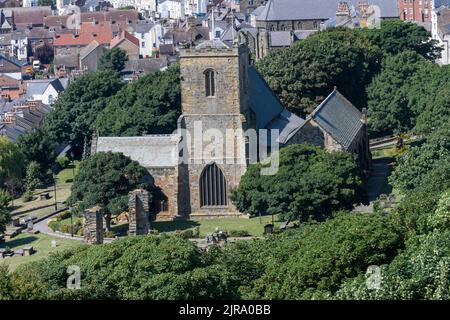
213	187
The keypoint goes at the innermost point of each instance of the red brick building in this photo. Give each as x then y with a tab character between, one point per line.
415	10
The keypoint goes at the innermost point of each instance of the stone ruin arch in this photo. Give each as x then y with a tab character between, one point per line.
93	226
139	209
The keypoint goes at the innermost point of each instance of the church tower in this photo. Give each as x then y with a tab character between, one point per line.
215	116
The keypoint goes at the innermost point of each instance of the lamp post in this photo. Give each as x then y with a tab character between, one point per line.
55	168
72	155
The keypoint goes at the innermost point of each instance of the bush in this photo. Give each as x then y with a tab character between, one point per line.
64	215
54	225
63	162
28	196
239	233
185	234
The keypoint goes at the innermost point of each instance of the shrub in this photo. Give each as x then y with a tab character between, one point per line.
64	215
63	162
28	196
54	225
239	233
185	234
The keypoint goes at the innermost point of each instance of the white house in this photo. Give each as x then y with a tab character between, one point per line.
172	9
440	31
195	7
46	90
19	45
30	3
141	5
149	35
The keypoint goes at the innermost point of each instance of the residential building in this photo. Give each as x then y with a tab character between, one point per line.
149	35
171	9
440	31
415	10
127	43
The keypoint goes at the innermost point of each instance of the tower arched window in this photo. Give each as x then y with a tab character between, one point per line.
213	187
210	83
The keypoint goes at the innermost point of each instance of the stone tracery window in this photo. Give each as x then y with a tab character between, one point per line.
210	83
213	187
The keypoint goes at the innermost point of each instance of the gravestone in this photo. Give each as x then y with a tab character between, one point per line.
138	218
93	226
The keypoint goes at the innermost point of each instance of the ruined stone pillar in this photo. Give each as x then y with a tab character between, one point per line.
93	226
138	217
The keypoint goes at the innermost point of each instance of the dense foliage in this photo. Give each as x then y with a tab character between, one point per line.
150	105
75	111
114	59
105	179
310	183
337	57
11	161
292	265
396	36
5	216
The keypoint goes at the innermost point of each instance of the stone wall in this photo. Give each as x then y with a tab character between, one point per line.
229	110
93	226
138	218
166	179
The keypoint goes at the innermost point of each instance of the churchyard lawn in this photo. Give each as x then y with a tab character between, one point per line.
41	243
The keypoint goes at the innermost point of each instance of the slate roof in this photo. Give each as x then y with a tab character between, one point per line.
150	151
281	38
37	87
276	10
339	118
270	113
145	65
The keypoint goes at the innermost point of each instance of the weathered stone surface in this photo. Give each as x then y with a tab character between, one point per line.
138	205
93	226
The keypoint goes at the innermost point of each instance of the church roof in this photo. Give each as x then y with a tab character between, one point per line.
270	113
339	117
150	151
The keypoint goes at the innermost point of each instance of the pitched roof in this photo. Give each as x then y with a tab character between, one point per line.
124	35
339	118
37	87
276	10
101	32
29	15
270	113
149	151
88	49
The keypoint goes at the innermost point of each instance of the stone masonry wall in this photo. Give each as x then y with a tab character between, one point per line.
93	226
138	218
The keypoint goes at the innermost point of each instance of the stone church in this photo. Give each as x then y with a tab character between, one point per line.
222	93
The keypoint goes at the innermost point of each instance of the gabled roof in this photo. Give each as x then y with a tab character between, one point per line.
88	49
102	32
149	151
37	87
339	118
270	113
124	35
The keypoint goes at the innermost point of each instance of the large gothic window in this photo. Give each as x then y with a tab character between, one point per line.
213	187
210	83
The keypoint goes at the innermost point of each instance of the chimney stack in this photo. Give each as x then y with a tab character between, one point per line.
342	13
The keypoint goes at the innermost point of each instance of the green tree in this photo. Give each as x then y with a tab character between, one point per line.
114	59
38	146
11	161
310	183
150	105
389	108
51	3
304	74
73	115
105	179
396	36
413	166
33	176
314	260
162	268
420	272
